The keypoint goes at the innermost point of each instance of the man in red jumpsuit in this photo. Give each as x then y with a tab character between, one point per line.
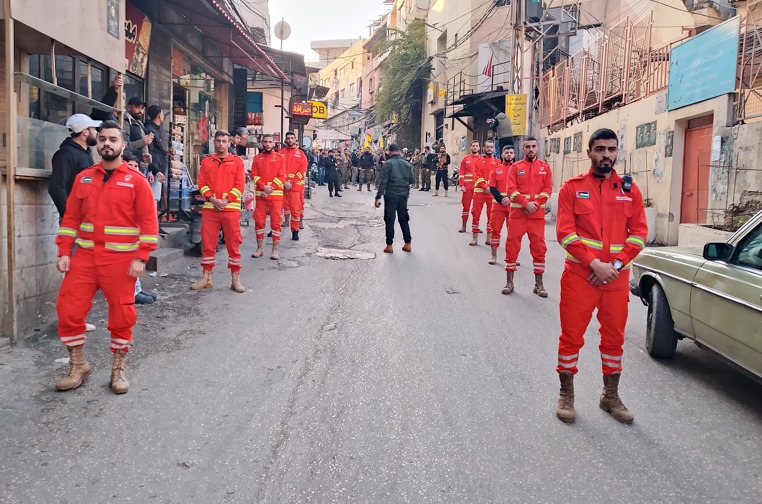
482	195
602	225
268	173
501	207
466	182
221	179
530	183
296	173
111	216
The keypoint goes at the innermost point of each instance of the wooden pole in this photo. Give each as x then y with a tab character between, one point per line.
10	170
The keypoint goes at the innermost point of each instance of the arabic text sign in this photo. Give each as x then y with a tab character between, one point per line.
516	110
704	66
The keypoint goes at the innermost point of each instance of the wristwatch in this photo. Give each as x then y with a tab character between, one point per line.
618	264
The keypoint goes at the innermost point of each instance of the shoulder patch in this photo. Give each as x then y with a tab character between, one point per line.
583	195
86	180
520	172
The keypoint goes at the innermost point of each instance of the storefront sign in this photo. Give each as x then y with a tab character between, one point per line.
112	18
705	66
301	109
137	38
516	110
319	110
180	64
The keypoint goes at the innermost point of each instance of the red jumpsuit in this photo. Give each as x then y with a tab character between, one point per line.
528	181
499	180
296	173
113	223
466	182
224	179
268	168
482	196
596	219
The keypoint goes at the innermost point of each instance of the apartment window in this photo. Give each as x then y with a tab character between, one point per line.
371	89
342	93
351	89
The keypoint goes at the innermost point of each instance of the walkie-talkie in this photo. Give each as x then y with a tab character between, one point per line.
626	182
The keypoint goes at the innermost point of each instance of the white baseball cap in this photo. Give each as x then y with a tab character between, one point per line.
78	122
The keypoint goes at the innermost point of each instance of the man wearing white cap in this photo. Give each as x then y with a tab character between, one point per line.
73	156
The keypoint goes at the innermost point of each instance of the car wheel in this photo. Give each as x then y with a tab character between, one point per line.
661	340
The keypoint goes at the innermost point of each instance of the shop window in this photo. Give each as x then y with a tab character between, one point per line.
97	85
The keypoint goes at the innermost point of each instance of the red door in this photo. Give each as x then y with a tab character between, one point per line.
696	165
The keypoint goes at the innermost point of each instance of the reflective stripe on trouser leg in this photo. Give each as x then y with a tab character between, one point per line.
118	288
517	227
578	300
75	298
231	226
612	315
260	217
274	207
499	217
466	200
537	246
480	201
211	224
294	201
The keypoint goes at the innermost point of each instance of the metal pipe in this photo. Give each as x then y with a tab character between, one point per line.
10	171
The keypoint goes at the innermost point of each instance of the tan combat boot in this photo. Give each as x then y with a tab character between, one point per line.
539	289
260	249
389	249
78	369
610	401
274	255
488	239
407	247
436	192
445	193
493	257
119	383
508	283
205	282
475	240
301	224
565	407
235	283
286	221
463	227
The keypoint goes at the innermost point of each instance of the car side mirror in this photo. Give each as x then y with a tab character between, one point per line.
718	251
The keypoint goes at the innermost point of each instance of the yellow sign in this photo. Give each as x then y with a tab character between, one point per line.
516	110
319	110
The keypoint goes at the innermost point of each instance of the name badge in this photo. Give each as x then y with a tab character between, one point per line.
125	184
623	198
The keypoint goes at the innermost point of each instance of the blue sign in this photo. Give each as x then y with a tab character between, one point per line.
705	66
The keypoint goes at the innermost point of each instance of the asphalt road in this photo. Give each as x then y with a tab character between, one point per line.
363	377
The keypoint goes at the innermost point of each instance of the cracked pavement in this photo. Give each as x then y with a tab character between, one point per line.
351	376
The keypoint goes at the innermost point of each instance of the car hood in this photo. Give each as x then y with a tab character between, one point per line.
690	257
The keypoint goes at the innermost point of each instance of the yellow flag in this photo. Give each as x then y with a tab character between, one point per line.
368	140
381	142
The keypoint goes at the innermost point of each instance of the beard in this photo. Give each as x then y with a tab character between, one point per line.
91	141
604	169
110	156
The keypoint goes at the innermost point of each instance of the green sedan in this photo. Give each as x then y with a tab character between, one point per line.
713	298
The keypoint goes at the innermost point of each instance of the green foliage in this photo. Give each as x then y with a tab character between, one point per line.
404	84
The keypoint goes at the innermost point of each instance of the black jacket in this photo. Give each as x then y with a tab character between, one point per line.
137	131
68	161
329	163
430	161
396	178
366	161
157	150
354	159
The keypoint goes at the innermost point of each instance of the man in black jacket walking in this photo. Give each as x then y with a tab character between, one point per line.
331	175
394	186
366	168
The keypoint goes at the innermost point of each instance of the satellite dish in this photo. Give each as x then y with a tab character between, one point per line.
282	30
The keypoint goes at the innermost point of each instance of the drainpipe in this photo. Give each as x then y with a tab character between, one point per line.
10	170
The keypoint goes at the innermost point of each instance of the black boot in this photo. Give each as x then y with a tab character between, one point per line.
295	235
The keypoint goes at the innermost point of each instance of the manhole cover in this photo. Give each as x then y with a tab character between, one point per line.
329	253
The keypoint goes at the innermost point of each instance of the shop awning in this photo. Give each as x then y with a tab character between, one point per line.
329	134
212	19
478	105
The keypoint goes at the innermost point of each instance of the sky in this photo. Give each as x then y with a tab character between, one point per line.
322	20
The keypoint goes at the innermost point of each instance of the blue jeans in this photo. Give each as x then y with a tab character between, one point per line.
321	175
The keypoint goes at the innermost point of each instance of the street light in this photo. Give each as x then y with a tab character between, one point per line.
282	31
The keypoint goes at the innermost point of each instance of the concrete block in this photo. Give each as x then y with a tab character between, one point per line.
162	258
173	237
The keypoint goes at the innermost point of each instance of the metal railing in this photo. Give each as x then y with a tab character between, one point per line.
749	104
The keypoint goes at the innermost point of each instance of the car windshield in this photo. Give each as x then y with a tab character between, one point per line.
750	250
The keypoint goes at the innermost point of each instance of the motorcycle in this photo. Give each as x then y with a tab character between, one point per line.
452	180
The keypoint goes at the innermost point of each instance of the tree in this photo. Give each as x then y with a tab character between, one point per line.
407	75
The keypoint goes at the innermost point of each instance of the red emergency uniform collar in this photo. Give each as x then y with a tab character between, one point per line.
124	167
614	175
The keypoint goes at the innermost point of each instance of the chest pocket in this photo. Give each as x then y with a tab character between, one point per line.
583	206
118	195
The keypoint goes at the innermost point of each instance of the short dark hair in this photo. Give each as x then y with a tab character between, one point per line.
128	156
153	111
221	133
427	148
290	133
602	134
529	139
508	147
239	131
115	125
474	141
268	135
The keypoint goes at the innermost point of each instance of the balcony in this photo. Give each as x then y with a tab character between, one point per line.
708	13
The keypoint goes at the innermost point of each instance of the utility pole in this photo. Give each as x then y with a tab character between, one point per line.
282	31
